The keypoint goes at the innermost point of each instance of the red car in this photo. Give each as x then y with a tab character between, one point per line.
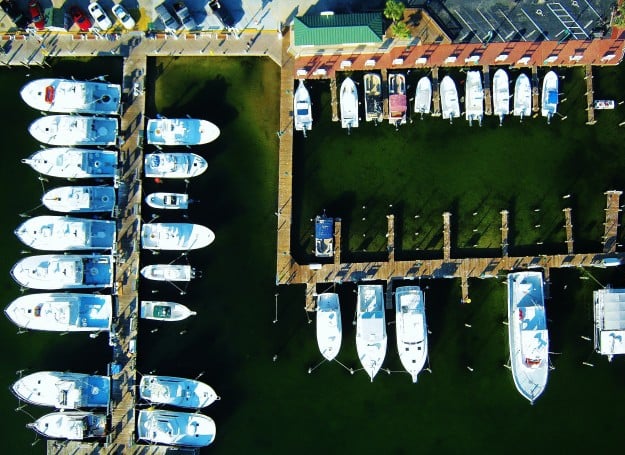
36	15
80	18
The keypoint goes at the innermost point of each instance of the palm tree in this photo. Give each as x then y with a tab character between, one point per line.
394	10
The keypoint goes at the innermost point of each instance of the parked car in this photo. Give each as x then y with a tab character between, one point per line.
36	14
169	22
123	16
11	10
99	16
80	18
222	13
184	16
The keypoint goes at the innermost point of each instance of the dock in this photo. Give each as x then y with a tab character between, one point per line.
610	236
590	95
488	102
535	90
436	93
335	100
504	233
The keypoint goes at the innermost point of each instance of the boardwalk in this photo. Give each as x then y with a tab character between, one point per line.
590	96
568	226
610	236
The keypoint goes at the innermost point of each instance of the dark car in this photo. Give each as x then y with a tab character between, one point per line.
10	8
38	20
80	18
222	13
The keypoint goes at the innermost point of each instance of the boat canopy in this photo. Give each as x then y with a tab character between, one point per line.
324	228
398	103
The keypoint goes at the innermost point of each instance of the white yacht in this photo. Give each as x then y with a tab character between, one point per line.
529	338
373	98
60	233
397	100
371	328
474	98
164	311
302	109
501	94
174	165
449	99
329	329
423	96
175	428
349	104
168	272
181	131
168	201
174	391
75	425
80	199
72	97
550	95
61	312
324	236
522	96
175	236
412	332
609	315
73	163
74	130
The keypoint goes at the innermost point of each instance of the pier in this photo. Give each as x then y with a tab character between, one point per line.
610	236
535	90
488	103
436	93
590	95
334	97
568	226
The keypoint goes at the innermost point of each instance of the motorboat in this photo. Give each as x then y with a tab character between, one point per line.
522	96
449	99
412	332
60	233
501	94
175	428
168	201
174	165
64	271
349	104
302	109
63	390
474	98
75	425
550	95
168	272
174	391
324	236
397	100
370	328
181	131
527	329
73	163
604	104
373	98
329	329
175	236
609	316
423	96
74	130
80	199
68	96
164	311
61	312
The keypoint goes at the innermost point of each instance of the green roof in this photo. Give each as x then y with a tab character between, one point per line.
333	29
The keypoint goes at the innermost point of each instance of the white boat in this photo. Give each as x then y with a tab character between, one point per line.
75	425
449	99
370	328
550	95
72	97
609	315
349	104
62	390
174	391
412	332
501	94
61	312
74	130
60	233
168	272
302	109
165	311
522	96
80	199
604	104
174	165
397	100
168	201
175	428
72	163
64	271
373	98
175	236
181	131
474	98
329	329
529	338
423	96
324	236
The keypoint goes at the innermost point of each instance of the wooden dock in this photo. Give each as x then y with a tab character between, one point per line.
446	236
488	102
610	236
436	93
568	226
334	99
384	90
535	90
504	233
590	96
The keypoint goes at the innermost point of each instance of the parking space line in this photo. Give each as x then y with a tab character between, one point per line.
512	25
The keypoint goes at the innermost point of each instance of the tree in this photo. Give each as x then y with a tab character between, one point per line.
400	30
619	17
394	10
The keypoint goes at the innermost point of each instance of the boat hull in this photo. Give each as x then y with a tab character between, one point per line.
349	104
329	329
371	328
74	130
449	99
164	311
174	165
474	97
550	95
58	233
175	236
397	100
181	131
74	426
168	201
501	94
175	428
373	97
72	163
80	199
522	96
175	391
423	96
302	108
412	335
168	272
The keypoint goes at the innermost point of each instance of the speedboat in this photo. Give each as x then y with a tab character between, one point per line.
181	131
412	332
527	329
175	428
174	391
175	236
474	97
370	328
74	130
72	163
397	101
72	97
60	233
349	104
75	425
423	96
449	99
522	96
324	236
64	271
550	95
80	199
165	311
501	94
174	165
63	390
61	312
302	109
373	98
168	272
329	330
168	201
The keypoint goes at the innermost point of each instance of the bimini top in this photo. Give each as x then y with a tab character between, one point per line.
329	328
76	426
174	391
72	163
174	165
74	130
349	104
60	233
175	236
181	131
80	199
609	312
371	328
71	97
324	236
175	428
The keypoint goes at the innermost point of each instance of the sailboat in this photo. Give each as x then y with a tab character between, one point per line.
501	94
329	330
349	104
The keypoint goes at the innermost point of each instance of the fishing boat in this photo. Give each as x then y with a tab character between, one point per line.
175	236
63	390
181	131
329	329
168	272
550	95
174	165
522	97
423	96
527	329
80	199
609	317
373	98
75	425
449	99
370	328
73	163
165	311
61	312
302	109
68	96
74	130
501	94
174	391
64	271
324	236
349	104
397	100
175	428
168	201
61	233
412	332
474	98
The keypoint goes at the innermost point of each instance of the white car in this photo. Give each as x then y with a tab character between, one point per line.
99	16
122	16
